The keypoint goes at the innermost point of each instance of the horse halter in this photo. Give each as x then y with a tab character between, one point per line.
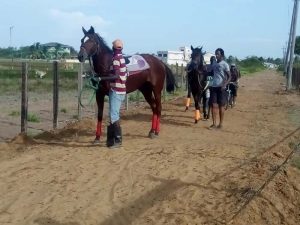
197	58
97	51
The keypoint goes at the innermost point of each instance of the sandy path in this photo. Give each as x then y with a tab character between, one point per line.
189	175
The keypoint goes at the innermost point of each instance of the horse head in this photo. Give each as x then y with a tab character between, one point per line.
90	47
198	56
197	70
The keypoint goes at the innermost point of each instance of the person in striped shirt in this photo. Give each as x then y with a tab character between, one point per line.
117	94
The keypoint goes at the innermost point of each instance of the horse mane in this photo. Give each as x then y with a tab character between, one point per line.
102	43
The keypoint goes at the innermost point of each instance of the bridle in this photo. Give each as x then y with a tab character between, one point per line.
199	69
96	52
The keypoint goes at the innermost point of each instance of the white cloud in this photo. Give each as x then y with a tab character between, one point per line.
66	27
70	20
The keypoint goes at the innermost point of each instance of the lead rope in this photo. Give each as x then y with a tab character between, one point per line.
92	83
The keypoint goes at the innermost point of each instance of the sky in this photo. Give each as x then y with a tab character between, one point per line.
241	27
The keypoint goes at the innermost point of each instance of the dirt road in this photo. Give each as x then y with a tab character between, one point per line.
189	175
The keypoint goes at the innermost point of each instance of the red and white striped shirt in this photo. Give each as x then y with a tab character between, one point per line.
120	69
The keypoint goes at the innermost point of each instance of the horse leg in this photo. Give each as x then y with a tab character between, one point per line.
147	92
100	105
157	99
188	99
205	103
197	107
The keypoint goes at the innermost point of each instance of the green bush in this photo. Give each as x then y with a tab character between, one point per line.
15	113
63	110
250	65
33	118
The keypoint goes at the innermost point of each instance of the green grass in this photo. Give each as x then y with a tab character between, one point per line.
250	65
33	118
11	77
15	113
296	162
135	96
296	159
248	71
30	117
63	110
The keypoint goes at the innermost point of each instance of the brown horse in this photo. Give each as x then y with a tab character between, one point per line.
150	82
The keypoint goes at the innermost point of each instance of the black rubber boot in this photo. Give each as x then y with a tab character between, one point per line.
117	135
110	141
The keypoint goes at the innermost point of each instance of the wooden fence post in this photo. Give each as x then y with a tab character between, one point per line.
80	71
24	104
55	94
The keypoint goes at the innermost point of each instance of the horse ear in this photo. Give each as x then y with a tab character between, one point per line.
92	31
84	31
192	47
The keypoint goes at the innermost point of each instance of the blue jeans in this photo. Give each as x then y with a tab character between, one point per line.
115	101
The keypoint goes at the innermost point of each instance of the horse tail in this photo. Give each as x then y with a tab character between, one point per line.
170	80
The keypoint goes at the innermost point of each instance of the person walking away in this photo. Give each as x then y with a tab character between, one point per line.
218	95
234	82
117	94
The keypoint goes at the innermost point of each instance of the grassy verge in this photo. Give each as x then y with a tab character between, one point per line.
296	162
296	159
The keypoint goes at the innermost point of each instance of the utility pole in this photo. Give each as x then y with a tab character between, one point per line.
291	62
10	42
283	52
287	59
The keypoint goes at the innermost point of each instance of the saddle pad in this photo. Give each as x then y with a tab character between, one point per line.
136	63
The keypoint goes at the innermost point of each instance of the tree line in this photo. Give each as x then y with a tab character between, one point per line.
37	51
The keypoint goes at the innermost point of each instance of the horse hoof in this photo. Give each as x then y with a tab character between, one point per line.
152	135
96	141
196	121
186	109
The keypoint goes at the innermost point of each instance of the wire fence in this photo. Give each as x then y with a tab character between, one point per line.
45	94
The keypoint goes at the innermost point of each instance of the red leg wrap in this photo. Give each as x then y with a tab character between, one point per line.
154	122
158	124
99	129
